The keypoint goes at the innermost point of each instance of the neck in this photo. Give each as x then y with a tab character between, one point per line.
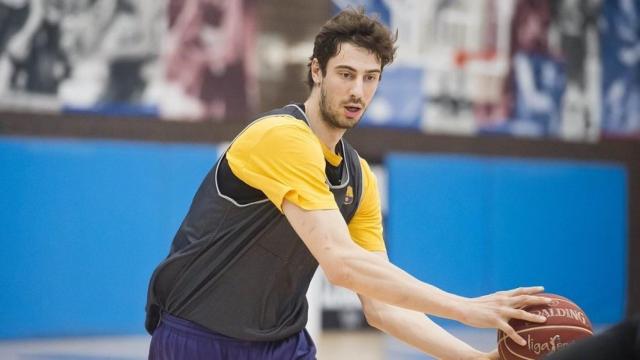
328	134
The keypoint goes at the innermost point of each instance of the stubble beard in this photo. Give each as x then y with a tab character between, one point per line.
331	117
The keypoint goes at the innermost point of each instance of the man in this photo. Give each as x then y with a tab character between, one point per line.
288	194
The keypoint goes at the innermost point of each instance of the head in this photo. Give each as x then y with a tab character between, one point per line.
531	21
345	69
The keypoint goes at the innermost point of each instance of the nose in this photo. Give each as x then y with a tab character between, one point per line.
357	88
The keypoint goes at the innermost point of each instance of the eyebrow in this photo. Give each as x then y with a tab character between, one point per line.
347	67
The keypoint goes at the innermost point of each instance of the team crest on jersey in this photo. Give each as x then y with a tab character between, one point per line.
348	196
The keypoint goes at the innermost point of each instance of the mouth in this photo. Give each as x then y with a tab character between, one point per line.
353	111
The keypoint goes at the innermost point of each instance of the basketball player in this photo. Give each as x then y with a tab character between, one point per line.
290	194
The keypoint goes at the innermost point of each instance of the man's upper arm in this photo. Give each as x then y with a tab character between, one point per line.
325	234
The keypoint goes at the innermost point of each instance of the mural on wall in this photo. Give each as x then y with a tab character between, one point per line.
210	46
620	38
532	68
565	69
126	57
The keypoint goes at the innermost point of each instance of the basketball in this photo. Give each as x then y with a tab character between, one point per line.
566	323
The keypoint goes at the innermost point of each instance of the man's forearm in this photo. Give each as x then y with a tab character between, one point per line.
419	331
347	265
367	274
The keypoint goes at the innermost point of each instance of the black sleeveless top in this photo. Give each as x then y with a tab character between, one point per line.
236	266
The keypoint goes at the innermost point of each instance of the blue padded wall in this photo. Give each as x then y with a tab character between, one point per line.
83	224
475	225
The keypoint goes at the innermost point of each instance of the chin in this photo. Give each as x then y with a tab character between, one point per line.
349	124
340	121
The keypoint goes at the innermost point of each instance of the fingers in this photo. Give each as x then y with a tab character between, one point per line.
508	330
526	300
526	316
525	290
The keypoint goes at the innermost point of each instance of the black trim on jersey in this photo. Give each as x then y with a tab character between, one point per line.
242	194
234	188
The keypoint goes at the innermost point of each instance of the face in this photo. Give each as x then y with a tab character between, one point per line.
531	32
348	86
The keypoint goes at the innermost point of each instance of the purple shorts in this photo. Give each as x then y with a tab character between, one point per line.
177	339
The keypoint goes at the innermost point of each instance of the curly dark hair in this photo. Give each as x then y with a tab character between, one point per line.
354	27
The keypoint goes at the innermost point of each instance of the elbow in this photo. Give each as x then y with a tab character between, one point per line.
374	314
373	319
339	274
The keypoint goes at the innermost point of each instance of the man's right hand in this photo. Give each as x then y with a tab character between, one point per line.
495	310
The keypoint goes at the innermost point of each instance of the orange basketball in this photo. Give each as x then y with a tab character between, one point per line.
566	323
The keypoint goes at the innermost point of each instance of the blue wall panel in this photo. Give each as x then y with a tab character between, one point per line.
474	225
82	225
435	228
568	224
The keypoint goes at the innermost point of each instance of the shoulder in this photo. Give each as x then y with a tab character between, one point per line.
277	136
364	164
367	174
277	126
278	121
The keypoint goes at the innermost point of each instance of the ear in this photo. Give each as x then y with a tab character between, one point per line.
316	72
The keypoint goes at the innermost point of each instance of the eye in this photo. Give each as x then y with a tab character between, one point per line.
345	75
371	77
